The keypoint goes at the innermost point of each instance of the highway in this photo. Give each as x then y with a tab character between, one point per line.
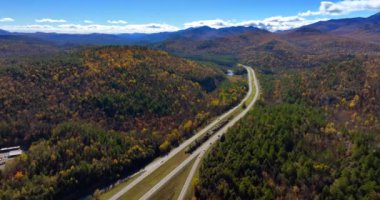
160	161
194	168
198	154
199	158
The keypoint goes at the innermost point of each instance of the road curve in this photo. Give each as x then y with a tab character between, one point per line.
158	162
205	146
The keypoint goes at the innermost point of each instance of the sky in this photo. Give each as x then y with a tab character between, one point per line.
150	16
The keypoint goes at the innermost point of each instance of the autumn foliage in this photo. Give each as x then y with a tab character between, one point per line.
92	116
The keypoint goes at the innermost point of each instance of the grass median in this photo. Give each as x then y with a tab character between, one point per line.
150	181
172	189
147	183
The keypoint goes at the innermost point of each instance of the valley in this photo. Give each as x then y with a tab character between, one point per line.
173	114
234	115
120	114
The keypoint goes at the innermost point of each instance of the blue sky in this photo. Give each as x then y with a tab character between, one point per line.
117	16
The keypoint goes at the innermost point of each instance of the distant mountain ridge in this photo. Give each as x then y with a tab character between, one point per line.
292	48
3	32
366	29
198	33
205	32
346	24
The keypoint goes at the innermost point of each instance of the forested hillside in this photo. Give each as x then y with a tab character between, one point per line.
86	116
289	151
308	46
297	49
314	135
91	116
14	46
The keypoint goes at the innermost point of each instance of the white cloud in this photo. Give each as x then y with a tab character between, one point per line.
6	19
308	13
326	8
47	20
216	23
117	22
343	7
92	28
272	23
276	23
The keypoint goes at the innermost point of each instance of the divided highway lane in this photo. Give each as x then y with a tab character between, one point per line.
198	154
158	162
197	162
190	176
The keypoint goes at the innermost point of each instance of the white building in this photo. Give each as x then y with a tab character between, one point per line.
9	153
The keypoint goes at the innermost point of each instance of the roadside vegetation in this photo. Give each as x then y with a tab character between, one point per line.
87	118
313	135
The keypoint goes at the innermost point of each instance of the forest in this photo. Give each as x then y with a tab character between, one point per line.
288	151
313	135
89	116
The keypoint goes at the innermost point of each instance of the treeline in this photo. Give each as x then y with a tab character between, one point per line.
20	46
198	142
75	157
347	90
89	117
292	49
279	151
314	135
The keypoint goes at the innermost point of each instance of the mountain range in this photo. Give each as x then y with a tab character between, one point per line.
313	133
358	28
199	33
309	45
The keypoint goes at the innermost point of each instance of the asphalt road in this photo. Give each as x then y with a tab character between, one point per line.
190	176
199	158
200	151
158	162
